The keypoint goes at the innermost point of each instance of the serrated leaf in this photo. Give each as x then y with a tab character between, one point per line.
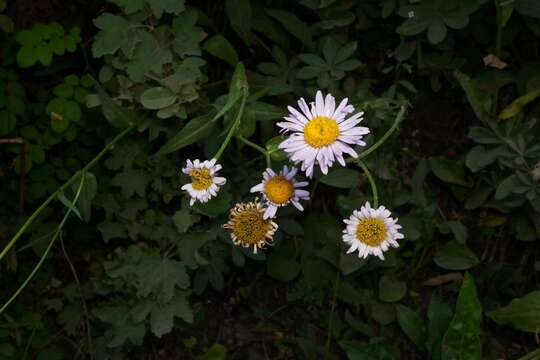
182	219
169	6
158	276
116	115
122	326
187	35
479	99
162	316
112	35
462	339
131	181
189	246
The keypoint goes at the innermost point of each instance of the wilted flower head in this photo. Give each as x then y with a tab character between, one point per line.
322	133
248	226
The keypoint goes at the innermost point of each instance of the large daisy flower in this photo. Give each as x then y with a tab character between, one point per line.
281	189
322	133
248	226
371	231
205	183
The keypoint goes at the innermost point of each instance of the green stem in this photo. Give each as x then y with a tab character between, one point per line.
258	148
371	183
233	128
532	355
333	308
44	256
43	206
381	141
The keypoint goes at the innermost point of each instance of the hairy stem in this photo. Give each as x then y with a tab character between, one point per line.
258	148
371	182
233	128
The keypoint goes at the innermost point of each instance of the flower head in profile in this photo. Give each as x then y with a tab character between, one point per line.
205	183
322	133
248	226
371	231
281	189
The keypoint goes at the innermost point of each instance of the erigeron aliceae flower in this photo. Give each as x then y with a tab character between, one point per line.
248	226
322	133
371	231
281	189
205	183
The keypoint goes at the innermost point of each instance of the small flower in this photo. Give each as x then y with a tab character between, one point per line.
322	133
249	227
371	231
204	182
281	189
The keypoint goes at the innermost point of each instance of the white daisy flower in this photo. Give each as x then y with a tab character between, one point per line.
322	133
371	231
281	189
248	227
204	182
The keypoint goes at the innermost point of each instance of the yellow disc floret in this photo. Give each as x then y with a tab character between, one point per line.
371	231
321	131
278	189
200	178
248	227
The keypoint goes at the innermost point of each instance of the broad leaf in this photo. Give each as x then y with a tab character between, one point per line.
412	325
342	178
193	131
454	256
522	313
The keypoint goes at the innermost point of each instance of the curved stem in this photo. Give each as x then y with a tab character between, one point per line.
233	128
43	206
371	183
386	135
47	250
258	148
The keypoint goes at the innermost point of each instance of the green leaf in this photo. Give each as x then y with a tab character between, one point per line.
187	36
221	48
282	265
456	228
294	25
183	220
195	130
29	38
412	325
113	34
162	316
479	99
44	54
215	206
169	6
215	352
159	276
376	349
112	230
462	339
117	116
522	313
88	192
129	6
239	14
343	178
439	316
63	90
528	8
448	170
148	56
131	181
122	326
26	56
436	31
189	246
478	158
390	289
454	256
157	98
517	106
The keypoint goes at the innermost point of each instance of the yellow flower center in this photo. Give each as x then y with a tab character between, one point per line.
278	189
200	179
250	228
371	231
321	131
